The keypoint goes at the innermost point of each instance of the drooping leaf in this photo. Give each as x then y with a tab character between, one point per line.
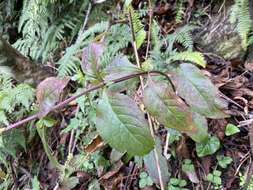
198	91
151	166
208	147
121	67
231	129
167	108
90	58
201	124
48	93
43	137
122	124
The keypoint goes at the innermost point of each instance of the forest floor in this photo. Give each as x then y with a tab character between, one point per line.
226	169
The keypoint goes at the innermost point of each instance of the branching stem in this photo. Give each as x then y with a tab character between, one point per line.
67	101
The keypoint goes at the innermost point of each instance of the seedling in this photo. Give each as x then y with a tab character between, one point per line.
215	179
177	184
187	166
145	180
231	129
224	161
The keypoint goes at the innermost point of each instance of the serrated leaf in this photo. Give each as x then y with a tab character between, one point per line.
198	91
122	124
121	67
150	164
209	147
231	129
170	110
48	93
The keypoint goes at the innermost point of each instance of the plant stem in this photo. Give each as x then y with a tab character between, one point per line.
142	88
67	101
150	27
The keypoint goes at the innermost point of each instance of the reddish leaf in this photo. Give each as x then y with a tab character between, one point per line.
90	58
167	107
198	91
170	110
48	93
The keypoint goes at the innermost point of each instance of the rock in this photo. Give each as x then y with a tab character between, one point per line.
19	67
220	38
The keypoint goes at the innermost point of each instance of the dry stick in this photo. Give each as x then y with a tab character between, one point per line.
150	26
142	87
67	101
250	171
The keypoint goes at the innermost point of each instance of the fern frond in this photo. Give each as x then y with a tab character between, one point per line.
180	11
241	16
194	57
11	98
69	63
182	36
138	27
118	37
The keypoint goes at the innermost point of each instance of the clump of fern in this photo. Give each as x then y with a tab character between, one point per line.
15	101
241	16
44	26
165	50
179	11
70	62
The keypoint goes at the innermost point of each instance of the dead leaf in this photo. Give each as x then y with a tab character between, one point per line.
113	171
95	144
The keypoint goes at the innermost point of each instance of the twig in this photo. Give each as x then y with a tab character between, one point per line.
150	26
142	87
67	101
86	17
250	171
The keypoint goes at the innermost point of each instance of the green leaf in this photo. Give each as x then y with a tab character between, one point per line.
209	147
151	166
43	137
201	135
224	161
162	103
122	124
142	183
45	122
35	183
121	67
231	129
140	38
127	3
217	173
194	57
143	175
198	91
209	177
